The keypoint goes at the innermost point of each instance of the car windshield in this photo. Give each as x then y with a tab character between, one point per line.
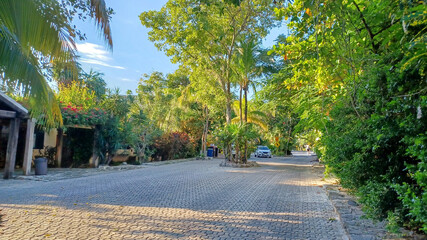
263	148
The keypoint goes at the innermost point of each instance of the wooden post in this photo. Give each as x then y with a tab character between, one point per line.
94	160
29	142
12	145
59	144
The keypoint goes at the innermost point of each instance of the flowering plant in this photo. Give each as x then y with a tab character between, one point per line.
77	115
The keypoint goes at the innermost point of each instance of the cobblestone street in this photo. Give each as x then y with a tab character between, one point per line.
282	199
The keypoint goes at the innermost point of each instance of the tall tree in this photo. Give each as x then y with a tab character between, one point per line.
205	34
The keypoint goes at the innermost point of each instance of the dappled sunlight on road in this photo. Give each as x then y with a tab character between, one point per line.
240	171
281	199
130	222
284	164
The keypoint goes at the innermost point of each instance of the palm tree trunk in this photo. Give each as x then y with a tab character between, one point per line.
246	121
240	104
246	103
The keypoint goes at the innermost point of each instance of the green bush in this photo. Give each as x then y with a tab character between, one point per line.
238	135
382	155
174	145
414	194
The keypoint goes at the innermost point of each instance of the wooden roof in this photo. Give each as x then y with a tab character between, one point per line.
8	104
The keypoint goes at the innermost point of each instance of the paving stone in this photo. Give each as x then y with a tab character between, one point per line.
281	199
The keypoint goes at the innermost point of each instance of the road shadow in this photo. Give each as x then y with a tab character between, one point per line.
1	219
128	222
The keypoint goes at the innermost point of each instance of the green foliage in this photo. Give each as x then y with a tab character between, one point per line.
76	94
237	135
109	140
95	83
35	35
203	35
174	145
78	106
355	73
80	142
414	196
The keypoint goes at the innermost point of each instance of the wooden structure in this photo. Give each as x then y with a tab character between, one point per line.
94	159
15	113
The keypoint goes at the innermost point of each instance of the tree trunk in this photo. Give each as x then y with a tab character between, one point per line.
144	146
246	121
246	104
94	161
240	105
228	109
205	132
289	136
227	151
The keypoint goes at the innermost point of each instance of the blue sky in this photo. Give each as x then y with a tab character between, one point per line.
133	54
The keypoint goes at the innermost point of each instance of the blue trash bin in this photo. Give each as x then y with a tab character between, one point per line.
41	166
210	152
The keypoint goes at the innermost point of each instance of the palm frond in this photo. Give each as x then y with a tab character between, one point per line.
259	114
102	20
24	69
26	34
36	31
236	107
258	121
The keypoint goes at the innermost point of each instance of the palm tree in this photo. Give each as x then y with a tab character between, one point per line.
37	32
247	70
252	62
95	82
256	117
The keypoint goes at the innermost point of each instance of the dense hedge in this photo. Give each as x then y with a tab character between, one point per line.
382	152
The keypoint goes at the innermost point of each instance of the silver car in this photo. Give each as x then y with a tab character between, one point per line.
263	151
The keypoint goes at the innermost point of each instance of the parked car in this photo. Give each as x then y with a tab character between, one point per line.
263	151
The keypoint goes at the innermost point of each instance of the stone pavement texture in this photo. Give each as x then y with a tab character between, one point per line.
351	215
282	199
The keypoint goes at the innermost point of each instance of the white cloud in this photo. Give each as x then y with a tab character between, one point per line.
126	80
97	62
95	54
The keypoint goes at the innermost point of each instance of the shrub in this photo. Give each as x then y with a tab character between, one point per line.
76	115
382	156
237	135
174	145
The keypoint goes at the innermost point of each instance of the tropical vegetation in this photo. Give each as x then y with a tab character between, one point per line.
347	78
